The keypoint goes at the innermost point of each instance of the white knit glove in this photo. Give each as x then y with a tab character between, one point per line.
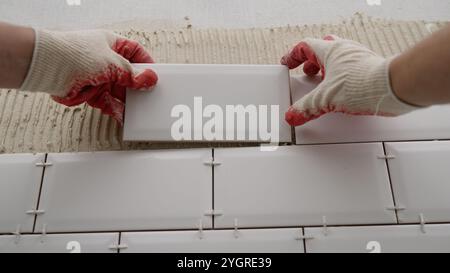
355	81
87	66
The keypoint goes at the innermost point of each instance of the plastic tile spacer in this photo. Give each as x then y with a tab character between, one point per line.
324	226
44	232
422	223
118	246
396	208
211	162
303	237
43	164
200	229
236	229
386	156
17	234
35	212
211	213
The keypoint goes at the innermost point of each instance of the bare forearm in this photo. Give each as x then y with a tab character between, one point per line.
16	51
421	75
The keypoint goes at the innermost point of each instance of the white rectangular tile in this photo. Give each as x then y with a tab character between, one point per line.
133	190
60	243
148	114
253	241
298	185
20	180
376	239
420	176
429	123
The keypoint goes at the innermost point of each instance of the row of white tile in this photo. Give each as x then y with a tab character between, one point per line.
373	239
344	184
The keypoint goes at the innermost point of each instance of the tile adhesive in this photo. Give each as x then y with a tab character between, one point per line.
32	122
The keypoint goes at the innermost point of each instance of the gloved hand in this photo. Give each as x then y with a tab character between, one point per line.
355	80
87	66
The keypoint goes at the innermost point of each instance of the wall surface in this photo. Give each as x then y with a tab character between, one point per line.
67	14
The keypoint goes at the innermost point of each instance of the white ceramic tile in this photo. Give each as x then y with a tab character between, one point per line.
148	114
20	181
255	241
430	123
379	239
109	191
420	176
59	243
298	185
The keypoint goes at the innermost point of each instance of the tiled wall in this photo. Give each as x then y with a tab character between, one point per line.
357	197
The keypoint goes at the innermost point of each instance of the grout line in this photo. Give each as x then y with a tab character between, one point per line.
40	192
114	231
213	193
119	241
304	240
390	183
240	228
257	144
